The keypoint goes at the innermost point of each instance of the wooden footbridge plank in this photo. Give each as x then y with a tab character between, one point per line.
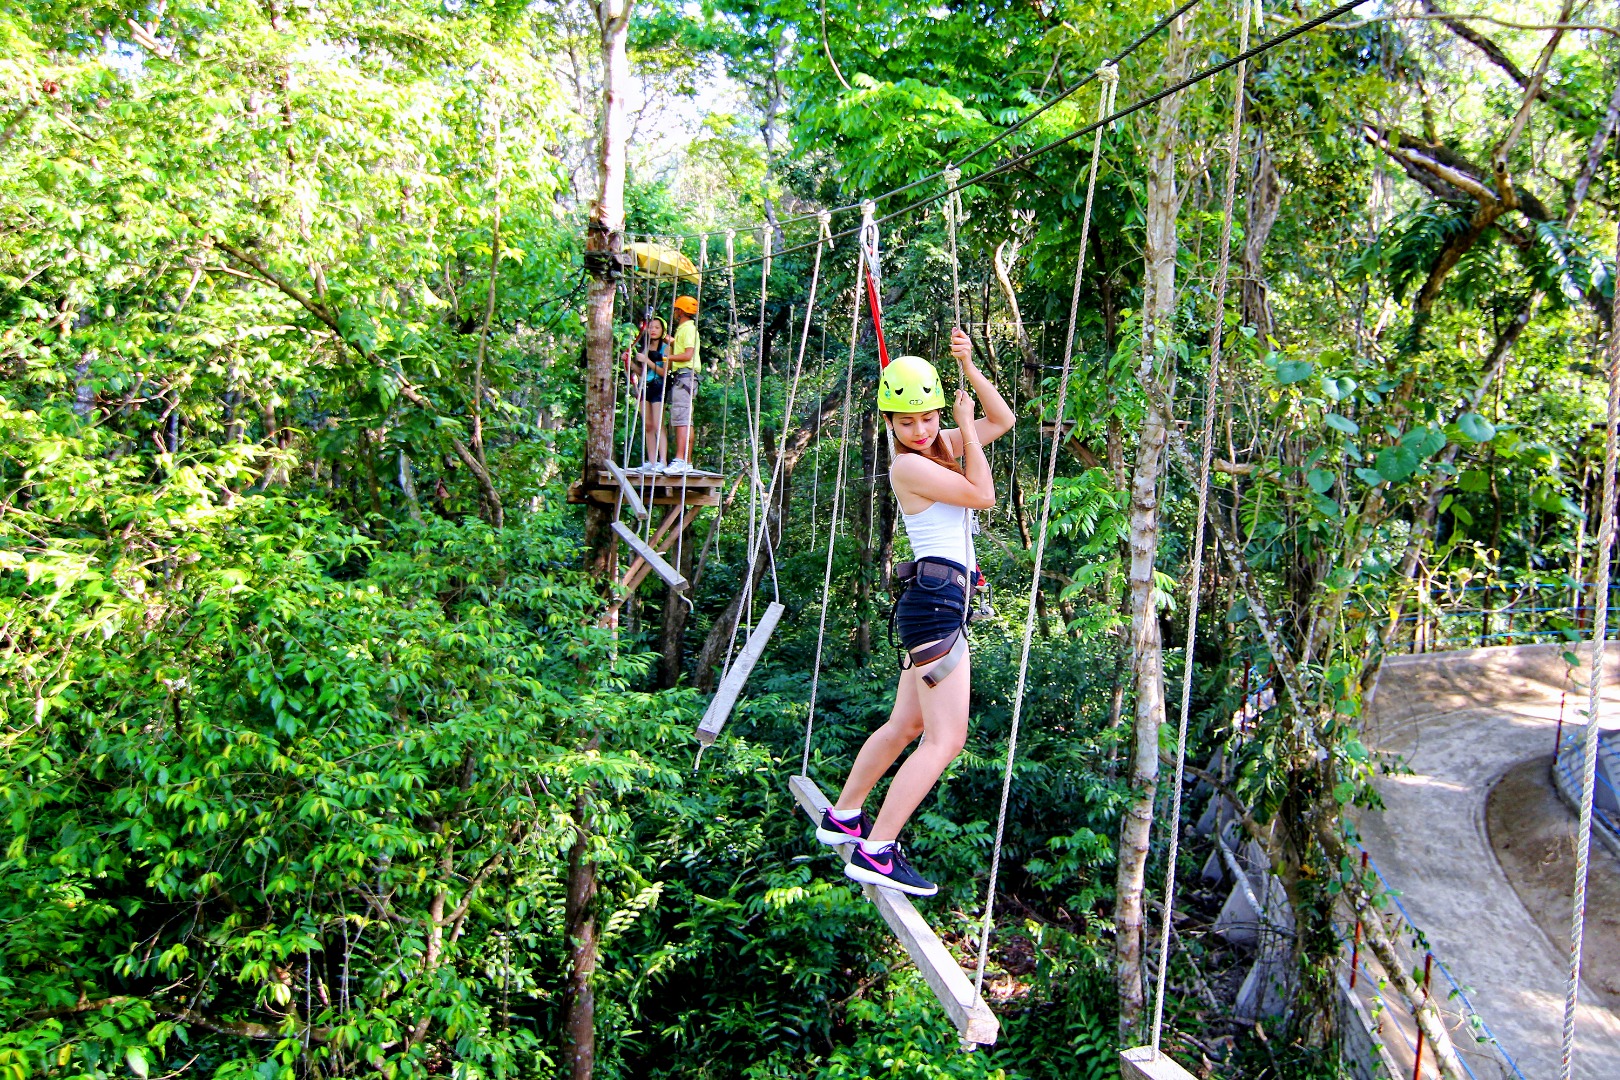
972	1017
725	698
637	507
672	577
1141	1063
663	538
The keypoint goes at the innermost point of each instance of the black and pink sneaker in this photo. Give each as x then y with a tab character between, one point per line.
837	833
888	869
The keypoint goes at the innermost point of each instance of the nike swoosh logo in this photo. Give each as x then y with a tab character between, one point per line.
846	829
882	867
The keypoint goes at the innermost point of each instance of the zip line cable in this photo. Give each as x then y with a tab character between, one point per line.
1212	382
1129	110
1084	82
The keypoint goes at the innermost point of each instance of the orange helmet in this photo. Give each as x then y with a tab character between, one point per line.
686	304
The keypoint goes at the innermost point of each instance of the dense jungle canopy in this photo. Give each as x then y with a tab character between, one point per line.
331	746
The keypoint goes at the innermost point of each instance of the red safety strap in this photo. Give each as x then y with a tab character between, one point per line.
876	306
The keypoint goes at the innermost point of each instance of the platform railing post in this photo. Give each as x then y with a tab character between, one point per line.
1417	1058
1355	949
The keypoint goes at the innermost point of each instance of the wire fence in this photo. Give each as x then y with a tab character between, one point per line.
1454	613
1481	1055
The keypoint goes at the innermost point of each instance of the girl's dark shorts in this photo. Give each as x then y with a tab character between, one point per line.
653	388
930	609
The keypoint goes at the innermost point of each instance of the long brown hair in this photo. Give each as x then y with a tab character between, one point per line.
936	452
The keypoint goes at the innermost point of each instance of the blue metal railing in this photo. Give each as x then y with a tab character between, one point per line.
1457	990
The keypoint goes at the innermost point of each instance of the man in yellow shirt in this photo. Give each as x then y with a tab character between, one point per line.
683	374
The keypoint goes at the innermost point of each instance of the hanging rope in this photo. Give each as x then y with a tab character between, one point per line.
1108	75
1216	335
815	478
953	214
792	397
1594	703
838	493
755	485
731	342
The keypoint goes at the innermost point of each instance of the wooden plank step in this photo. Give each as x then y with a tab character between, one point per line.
637	507
1141	1063
672	577
972	1017
725	698
663	538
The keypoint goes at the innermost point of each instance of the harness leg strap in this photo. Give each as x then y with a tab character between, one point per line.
942	670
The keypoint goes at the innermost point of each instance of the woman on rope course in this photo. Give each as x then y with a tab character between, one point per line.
647	371
937	497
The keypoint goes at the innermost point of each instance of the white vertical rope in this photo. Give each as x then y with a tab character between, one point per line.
747	614
838	492
953	215
823	244
729	357
1217	332
815	479
1594	698
1108	74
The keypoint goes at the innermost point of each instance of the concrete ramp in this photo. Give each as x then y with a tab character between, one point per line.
1459	721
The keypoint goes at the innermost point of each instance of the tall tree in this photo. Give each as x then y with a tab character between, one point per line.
1147	646
604	241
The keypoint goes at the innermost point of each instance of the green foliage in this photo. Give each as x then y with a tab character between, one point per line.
297	746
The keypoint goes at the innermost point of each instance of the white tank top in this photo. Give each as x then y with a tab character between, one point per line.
942	531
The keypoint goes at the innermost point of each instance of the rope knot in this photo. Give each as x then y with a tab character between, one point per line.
952	175
1109	74
824	218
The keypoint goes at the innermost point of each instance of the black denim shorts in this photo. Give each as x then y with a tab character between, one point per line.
933	606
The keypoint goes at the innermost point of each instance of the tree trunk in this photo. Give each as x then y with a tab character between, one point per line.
579	917
1263	203
1029	375
604	239
673	631
1022	518
1147	659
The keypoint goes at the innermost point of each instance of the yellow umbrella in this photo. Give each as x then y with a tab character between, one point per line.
662	261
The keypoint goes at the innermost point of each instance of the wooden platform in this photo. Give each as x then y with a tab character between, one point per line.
972	1017
654	489
1141	1063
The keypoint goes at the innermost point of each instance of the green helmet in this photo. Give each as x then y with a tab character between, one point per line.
910	384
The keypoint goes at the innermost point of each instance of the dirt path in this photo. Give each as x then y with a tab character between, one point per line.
1461	723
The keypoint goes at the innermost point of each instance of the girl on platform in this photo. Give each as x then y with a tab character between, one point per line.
939	476
648	369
